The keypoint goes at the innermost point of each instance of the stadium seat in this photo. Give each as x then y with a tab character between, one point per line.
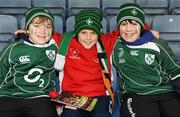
8	25
175	47
113	23
154	7
70	22
74	6
169	28
110	8
157	7
57	7
174	6
58	24
14	7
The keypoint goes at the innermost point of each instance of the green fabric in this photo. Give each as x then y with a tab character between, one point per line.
146	69
87	19
64	44
94	13
34	12
131	11
27	70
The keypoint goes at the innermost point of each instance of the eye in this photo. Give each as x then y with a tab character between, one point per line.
93	33
134	23
49	27
83	32
123	23
36	25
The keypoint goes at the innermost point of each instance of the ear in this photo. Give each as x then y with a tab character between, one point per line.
27	32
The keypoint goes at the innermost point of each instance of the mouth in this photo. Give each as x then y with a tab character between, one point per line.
41	36
129	34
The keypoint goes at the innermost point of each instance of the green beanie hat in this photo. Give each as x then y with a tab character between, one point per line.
34	12
88	19
131	11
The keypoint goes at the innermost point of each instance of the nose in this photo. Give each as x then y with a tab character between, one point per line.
128	27
43	28
88	37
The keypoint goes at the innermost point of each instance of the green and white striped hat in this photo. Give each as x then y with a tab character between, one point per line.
36	11
88	19
131	11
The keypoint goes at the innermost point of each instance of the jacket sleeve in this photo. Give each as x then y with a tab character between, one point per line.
4	63
109	39
170	64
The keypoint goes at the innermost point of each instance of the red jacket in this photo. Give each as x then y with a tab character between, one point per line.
82	75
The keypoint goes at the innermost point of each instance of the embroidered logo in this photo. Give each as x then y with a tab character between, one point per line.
134	53
89	21
50	54
74	53
24	59
149	58
120	55
134	12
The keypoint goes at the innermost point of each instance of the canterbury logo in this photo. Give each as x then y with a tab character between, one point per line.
24	59
134	53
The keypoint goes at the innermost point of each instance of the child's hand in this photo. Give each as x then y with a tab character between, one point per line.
53	94
21	34
20	31
155	33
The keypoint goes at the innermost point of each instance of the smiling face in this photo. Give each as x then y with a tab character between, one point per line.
130	30
88	38
40	30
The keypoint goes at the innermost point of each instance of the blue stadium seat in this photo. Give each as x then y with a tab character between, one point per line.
174	6
110	8
70	22
175	47
154	7
14	7
169	28
8	25
157	7
113	23
57	7
58	24
74	6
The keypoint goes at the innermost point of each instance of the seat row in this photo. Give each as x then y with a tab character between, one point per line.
67	8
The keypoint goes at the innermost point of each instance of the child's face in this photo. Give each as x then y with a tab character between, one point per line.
40	30
130	31
87	38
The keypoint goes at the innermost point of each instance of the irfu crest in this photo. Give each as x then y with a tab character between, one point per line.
50	54
149	58
89	21
134	12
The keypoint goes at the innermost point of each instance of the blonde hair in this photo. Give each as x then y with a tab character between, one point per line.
41	19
